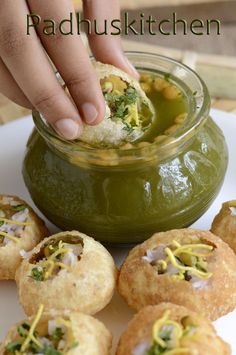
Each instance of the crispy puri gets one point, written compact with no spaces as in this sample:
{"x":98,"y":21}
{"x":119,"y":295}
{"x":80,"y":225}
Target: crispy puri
{"x":154,"y":328}
{"x":19,"y":236}
{"x":224,"y":224}
{"x":129,"y":112}
{"x":59,"y":333}
{"x":141,"y":284}
{"x":84,"y":282}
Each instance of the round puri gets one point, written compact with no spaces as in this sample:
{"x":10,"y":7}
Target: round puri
{"x":91,"y":335}
{"x":224,"y":224}
{"x":140,"y":328}
{"x":88,"y":288}
{"x":31,"y":235}
{"x":111,"y":131}
{"x":140,"y":284}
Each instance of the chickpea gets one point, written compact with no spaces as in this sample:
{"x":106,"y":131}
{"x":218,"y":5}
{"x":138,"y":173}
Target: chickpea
{"x":127,"y":146}
{"x":143,"y":144}
{"x":146,"y":78}
{"x":172,"y":129}
{"x":181,"y":118}
{"x":171,"y":92}
{"x":160,"y":84}
{"x":160,"y":138}
{"x":146,"y":87}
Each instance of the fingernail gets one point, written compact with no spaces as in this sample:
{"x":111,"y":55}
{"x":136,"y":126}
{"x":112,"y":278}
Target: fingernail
{"x":132,"y":68}
{"x":68,"y":128}
{"x":89,"y":112}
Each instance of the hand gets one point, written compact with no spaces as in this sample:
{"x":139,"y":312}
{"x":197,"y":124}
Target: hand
{"x":27,"y":77}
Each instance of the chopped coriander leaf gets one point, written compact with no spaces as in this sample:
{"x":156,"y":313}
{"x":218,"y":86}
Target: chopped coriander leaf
{"x":13,"y":347}
{"x":131,"y":96}
{"x":22,"y":329}
{"x":57,"y":334}
{"x":128,"y":128}
{"x":156,"y":349}
{"x":1,"y":223}
{"x":119,"y":103}
{"x":37,"y":274}
{"x":49,"y":350}
{"x":167,"y":76}
{"x":19,"y":208}
{"x":166,"y":332}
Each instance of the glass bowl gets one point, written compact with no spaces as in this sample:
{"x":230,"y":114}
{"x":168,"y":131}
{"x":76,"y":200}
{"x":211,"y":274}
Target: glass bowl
{"x":123,"y":196}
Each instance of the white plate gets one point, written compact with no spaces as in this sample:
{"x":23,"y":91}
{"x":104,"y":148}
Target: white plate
{"x":13,"y":137}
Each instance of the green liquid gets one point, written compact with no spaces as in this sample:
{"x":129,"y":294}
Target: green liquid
{"x":127,"y":204}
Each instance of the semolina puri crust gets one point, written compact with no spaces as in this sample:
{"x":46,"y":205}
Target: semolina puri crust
{"x":224,"y":226}
{"x":91,"y":335}
{"x":111,"y":131}
{"x":31,"y":235}
{"x":88,"y":288}
{"x":104,"y":70}
{"x":140,"y":329}
{"x":140,"y":285}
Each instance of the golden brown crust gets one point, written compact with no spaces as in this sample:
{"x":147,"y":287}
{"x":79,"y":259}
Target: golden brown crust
{"x":88,"y":288}
{"x":10,"y":257}
{"x":140,"y":285}
{"x":92,"y":335}
{"x":224,"y":225}
{"x":139,"y":330}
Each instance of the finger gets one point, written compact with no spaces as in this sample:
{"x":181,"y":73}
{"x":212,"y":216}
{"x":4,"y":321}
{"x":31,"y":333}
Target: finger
{"x":72,"y":60}
{"x":106,"y":48}
{"x":28,"y":64}
{"x":9,"y":87}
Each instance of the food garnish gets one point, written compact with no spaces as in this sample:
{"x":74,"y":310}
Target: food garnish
{"x":55,"y":257}
{"x":167,"y":335}
{"x":13,"y":220}
{"x":129,"y":112}
{"x":182,"y":262}
{"x":57,"y":339}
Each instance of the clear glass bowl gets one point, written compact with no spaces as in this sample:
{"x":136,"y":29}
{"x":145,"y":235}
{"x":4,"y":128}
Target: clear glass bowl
{"x":125,"y":195}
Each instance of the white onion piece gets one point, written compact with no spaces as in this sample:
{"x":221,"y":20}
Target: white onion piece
{"x":233,"y":211}
{"x":15,"y":229}
{"x":45,"y":341}
{"x":142,"y":348}
{"x":25,"y":254}
{"x":21,"y":216}
{"x":171,"y":269}
{"x":155,"y":254}
{"x":51,"y":326}
{"x":61,"y":344}
{"x":69,"y":259}
{"x":77,"y":249}
{"x":198,"y":283}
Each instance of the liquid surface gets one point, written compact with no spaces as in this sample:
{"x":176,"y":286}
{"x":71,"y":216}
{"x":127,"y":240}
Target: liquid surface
{"x":128,"y":203}
{"x":166,"y":109}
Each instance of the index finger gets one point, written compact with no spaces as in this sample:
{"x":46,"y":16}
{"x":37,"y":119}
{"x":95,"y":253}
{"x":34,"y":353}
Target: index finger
{"x":106,"y":48}
{"x":26,"y":60}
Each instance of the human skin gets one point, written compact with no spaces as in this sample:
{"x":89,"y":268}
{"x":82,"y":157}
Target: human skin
{"x":27,"y":77}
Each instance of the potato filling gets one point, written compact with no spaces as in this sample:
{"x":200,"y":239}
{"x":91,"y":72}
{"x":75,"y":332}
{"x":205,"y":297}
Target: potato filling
{"x":55,"y":338}
{"x":167,"y":335}
{"x":183,"y":262}
{"x":56,"y":257}
{"x":13,"y":220}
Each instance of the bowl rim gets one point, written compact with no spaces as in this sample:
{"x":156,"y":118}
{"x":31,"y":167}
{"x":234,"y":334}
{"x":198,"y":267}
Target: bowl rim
{"x":134,"y":152}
